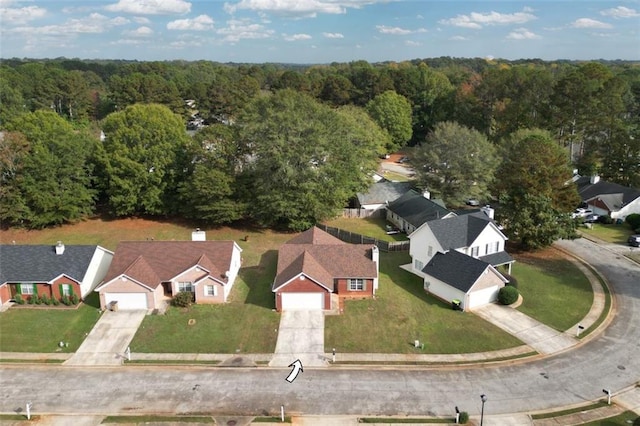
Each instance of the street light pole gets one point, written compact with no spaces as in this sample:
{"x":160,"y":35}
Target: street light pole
{"x":483,"y":397}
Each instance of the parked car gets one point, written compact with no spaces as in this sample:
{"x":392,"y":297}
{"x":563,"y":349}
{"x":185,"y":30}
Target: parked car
{"x":634,"y":240}
{"x":581,"y":212}
{"x":403,"y":160}
{"x":472,"y":202}
{"x":592,"y":218}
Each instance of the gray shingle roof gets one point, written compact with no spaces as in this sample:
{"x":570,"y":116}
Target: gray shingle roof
{"x":497,"y":259}
{"x":459,"y":231}
{"x":588,"y":191}
{"x":40,"y":263}
{"x":383,"y":191}
{"x":456,"y":269}
{"x":416,"y":209}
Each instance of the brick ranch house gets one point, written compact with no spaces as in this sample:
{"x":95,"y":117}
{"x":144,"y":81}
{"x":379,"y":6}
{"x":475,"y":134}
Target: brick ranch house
{"x":315,"y":268}
{"x":54,"y":271}
{"x":143,"y":274}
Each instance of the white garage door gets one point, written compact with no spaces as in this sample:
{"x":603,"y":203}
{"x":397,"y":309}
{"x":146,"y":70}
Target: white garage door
{"x":482,"y":297}
{"x":292,"y":301}
{"x":127,"y":301}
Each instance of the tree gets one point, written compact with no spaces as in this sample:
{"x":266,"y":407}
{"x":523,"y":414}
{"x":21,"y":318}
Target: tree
{"x":144,"y":150}
{"x":49,"y":176}
{"x":455,"y":162}
{"x":303,"y":159}
{"x":209,"y":192}
{"x":535,"y":189}
{"x":392,"y":112}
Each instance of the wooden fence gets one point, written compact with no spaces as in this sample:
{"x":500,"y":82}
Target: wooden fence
{"x":361,"y":213}
{"x":353,"y":238}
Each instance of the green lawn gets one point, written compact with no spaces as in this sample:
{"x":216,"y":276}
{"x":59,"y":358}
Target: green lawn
{"x":395,"y":177}
{"x":625,"y":419}
{"x":402,"y":313}
{"x":370,"y":227}
{"x":610,"y":233}
{"x":554,"y":290}
{"x":41,"y":329}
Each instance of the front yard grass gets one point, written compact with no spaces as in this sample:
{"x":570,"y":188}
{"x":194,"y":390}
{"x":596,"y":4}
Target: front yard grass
{"x":611,"y":233}
{"x":41,"y":329}
{"x":554,"y":290}
{"x":370,"y":227}
{"x":402,"y":313}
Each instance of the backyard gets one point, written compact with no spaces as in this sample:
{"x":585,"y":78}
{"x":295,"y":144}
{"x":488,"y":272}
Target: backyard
{"x":373,"y":227}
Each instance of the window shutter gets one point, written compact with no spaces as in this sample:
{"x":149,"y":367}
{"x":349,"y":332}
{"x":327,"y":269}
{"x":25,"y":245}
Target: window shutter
{"x":364,"y":284}
{"x":61,"y":289}
{"x":18,"y":288}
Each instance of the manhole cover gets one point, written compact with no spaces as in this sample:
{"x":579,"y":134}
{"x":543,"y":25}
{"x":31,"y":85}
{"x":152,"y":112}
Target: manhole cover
{"x":232,"y":423}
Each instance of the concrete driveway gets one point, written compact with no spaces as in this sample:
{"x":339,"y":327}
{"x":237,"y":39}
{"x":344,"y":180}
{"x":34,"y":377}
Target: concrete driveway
{"x":544,"y":339}
{"x":300,"y":336}
{"x":108,"y":340}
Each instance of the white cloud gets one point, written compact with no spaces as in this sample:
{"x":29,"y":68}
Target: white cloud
{"x":412,"y":43}
{"x":140,"y":32}
{"x":237,"y":30}
{"x":141,"y":20}
{"x":458,"y":38}
{"x":333,"y":35}
{"x":383,"y":29}
{"x":620,"y":12}
{"x":151,"y":7}
{"x":200,"y":23}
{"x":589,"y":23}
{"x":20,"y":16}
{"x":522,"y":34}
{"x":477,"y":20}
{"x":298,"y":8}
{"x":296,"y":37}
{"x":92,"y":24}
{"x":527,"y":9}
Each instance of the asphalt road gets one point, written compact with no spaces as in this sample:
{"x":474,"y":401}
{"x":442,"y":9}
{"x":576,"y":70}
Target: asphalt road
{"x":611,"y":361}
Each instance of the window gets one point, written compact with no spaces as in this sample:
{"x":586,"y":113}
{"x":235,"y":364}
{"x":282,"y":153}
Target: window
{"x":27,"y":288}
{"x":427,"y":284}
{"x":474,"y":251}
{"x":66,"y":289}
{"x":356,"y":284}
{"x":210,"y":290}
{"x":493,"y":247}
{"x":418,"y":265}
{"x":430,"y":251}
{"x":185,"y":286}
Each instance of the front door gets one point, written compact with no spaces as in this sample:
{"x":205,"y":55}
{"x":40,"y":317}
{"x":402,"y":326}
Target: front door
{"x":167,"y":289}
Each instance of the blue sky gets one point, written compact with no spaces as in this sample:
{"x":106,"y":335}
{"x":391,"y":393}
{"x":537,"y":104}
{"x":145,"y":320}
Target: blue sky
{"x":319,"y":31}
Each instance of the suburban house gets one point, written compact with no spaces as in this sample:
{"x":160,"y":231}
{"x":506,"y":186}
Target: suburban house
{"x":413,"y":209}
{"x":52,"y":270}
{"x":607,"y":198}
{"x":316,"y":269}
{"x":455,"y":276}
{"x":144,"y":274}
{"x":479,"y":241}
{"x":381,"y":193}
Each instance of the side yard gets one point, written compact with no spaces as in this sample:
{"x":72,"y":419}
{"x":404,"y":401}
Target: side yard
{"x":554,"y":290}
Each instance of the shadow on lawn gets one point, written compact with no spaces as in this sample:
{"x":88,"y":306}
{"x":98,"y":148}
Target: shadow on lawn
{"x":259,"y":279}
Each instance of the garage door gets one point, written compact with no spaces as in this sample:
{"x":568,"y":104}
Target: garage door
{"x":127,"y":301}
{"x":482,"y":297}
{"x":292,"y":301}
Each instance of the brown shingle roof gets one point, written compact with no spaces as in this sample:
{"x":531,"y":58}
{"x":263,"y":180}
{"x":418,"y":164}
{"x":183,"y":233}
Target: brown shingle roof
{"x":154,"y":262}
{"x":324,"y":261}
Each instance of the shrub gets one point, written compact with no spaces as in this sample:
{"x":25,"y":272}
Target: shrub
{"x":32,"y":299}
{"x":464,"y":418}
{"x":633,"y":220}
{"x":74,"y":299}
{"x":606,"y":220}
{"x":65,"y":300}
{"x":37,"y":300}
{"x":183,"y":299}
{"x":508,"y":295}
{"x":44,"y":299}
{"x":19,"y":300}
{"x":54,"y":301}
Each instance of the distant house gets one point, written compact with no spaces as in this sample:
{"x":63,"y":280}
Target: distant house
{"x":454,"y":252}
{"x":455,"y":276}
{"x":413,"y":209}
{"x":52,"y":270}
{"x":315,"y":267}
{"x":607,"y":198}
{"x":144,"y":273}
{"x":381,"y":193}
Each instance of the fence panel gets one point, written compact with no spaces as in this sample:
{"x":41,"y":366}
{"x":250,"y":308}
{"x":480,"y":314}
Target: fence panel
{"x":353,"y":238}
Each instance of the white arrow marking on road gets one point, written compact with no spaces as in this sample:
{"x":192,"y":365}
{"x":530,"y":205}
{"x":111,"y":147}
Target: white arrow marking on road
{"x":297,"y":368}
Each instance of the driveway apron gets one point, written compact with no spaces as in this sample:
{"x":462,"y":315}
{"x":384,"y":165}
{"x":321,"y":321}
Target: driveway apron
{"x":300,"y":336}
{"x":544,"y":339}
{"x":108,"y":340}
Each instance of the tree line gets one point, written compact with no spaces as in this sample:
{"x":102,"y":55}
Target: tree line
{"x":288,"y":145}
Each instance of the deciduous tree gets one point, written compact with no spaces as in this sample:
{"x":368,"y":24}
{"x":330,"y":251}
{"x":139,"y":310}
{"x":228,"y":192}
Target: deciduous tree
{"x":392,"y":112}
